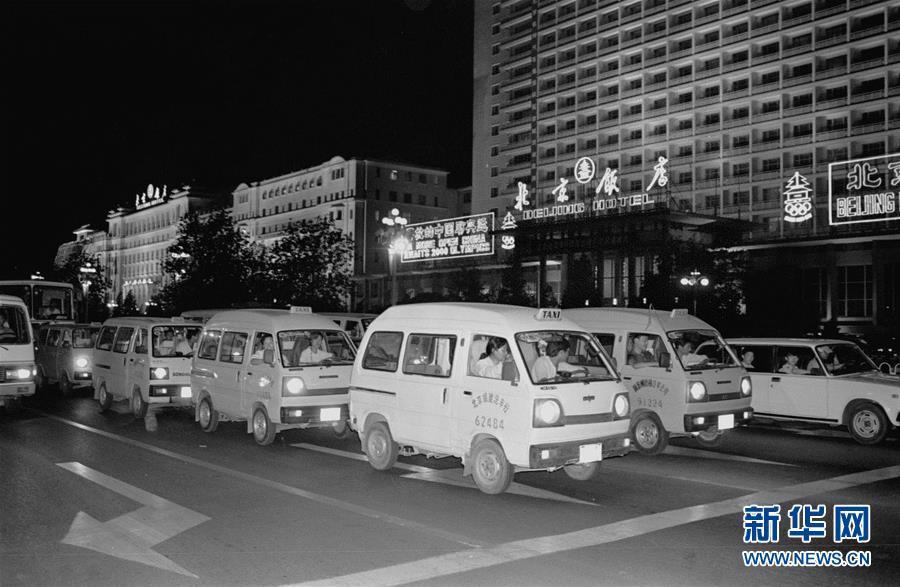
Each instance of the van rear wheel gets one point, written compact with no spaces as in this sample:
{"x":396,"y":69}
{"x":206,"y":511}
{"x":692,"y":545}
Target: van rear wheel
{"x":490,"y":469}
{"x":710,"y":438}
{"x":207,"y":415}
{"x":104,"y":398}
{"x":648,"y":434}
{"x":583,"y":471}
{"x":381,"y":449}
{"x":263,"y":429}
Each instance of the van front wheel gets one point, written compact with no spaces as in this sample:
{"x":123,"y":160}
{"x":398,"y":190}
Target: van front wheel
{"x":207,"y":416}
{"x":104,"y":398}
{"x":490,"y":469}
{"x":380,"y":447}
{"x":263,"y":430}
{"x":649,"y":435}
{"x":138,"y":405}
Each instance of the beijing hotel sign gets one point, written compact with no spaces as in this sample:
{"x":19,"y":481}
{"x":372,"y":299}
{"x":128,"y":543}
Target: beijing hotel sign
{"x":864,"y":190}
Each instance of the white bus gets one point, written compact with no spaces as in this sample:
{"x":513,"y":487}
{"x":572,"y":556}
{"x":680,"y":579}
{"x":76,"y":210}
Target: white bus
{"x":46,"y":300}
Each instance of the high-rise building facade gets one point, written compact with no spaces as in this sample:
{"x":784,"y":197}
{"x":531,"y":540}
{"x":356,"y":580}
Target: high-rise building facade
{"x":743,"y":99}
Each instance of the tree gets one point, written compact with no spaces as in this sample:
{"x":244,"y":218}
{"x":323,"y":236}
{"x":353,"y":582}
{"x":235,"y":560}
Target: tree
{"x":466,"y":285}
{"x":128,"y":306}
{"x":310,"y":266}
{"x":580,"y":285}
{"x":512,"y":284}
{"x":71,"y":272}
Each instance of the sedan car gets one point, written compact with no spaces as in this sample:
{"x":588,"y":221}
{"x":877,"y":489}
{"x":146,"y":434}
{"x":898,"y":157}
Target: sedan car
{"x":825,"y":381}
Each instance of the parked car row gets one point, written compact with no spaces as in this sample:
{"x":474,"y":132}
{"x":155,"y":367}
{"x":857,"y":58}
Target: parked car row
{"x":503,"y":388}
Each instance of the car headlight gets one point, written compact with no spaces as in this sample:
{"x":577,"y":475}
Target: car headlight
{"x":292,"y":386}
{"x":746,"y":386}
{"x":20,"y":372}
{"x":621,"y":405}
{"x":159,"y":373}
{"x":23,"y":373}
{"x":81,"y":362}
{"x":547,"y":412}
{"x":697,"y":391}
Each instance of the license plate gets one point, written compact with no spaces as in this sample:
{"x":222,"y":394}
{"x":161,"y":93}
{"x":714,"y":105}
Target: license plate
{"x":330,"y":414}
{"x":589,"y":453}
{"x":726,"y":421}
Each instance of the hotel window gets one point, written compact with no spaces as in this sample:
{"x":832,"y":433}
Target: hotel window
{"x":407,"y":198}
{"x":771,"y":164}
{"x":711,"y":174}
{"x":635,"y":160}
{"x":803,"y":160}
{"x":685,"y":150}
{"x":634,"y":109}
{"x":741,"y":197}
{"x":392,"y":196}
{"x":712,"y":118}
{"x":855,"y":290}
{"x":740,"y":170}
{"x":770,"y":135}
{"x":772,"y":106}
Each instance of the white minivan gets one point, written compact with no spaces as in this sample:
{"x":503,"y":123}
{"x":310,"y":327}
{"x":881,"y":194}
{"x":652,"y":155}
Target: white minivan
{"x":145,"y":360}
{"x":477,"y":381}
{"x":682,"y":377}
{"x":65,"y":355}
{"x":276,"y":369}
{"x":17,"y":367}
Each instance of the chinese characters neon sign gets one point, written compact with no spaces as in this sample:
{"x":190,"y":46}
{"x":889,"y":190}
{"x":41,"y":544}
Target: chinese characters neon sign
{"x":864,"y":190}
{"x":453,"y":238}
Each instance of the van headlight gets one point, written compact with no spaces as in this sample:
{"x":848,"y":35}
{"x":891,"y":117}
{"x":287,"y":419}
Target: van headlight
{"x":746,"y":386}
{"x":621,"y":406}
{"x":20,"y":372}
{"x":547,"y":412}
{"x":81,"y":362}
{"x":159,"y":373}
{"x":696,"y":391}
{"x":292,"y":386}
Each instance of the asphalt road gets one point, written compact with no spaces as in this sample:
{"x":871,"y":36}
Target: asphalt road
{"x":97,"y":499}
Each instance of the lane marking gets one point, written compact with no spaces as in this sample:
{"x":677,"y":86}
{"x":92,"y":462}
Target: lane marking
{"x":131,"y":536}
{"x":708,"y":454}
{"x":469,"y":560}
{"x":275,"y":485}
{"x":452,"y":476}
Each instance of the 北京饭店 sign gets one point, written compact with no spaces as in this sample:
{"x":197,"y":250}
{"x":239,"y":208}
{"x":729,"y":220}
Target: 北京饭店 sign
{"x":451,"y":238}
{"x":864,"y":190}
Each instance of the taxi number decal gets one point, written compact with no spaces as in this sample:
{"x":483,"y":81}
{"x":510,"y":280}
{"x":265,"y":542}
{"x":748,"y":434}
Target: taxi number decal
{"x":488,"y":422}
{"x":649,"y":402}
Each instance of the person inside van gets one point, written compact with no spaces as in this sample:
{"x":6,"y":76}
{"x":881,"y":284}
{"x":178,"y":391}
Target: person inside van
{"x":4,"y":324}
{"x":789,"y":365}
{"x":316,"y":352}
{"x":747,"y":358}
{"x":639,"y":354}
{"x":186,"y":346}
{"x":685,"y":351}
{"x":555,"y":362}
{"x":490,"y":364}
{"x":268,"y":344}
{"x":165,"y":343}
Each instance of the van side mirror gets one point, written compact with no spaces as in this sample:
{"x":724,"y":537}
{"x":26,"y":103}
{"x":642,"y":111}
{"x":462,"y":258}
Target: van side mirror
{"x":665,"y":360}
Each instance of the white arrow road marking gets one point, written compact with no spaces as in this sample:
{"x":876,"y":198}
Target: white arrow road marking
{"x":447,"y":476}
{"x":131,"y":535}
{"x":708,"y":454}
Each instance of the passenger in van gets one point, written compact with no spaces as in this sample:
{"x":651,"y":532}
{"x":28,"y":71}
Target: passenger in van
{"x":4,"y":325}
{"x":638,"y":354}
{"x":790,"y":365}
{"x":316,"y":352}
{"x":747,"y":357}
{"x":268,"y":344}
{"x":165,"y":345}
{"x":490,"y":364}
{"x":186,"y":346}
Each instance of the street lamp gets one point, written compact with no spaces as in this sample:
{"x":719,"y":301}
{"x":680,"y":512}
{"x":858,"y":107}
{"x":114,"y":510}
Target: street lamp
{"x":695,"y":280}
{"x":86,"y":273}
{"x":398,"y":243}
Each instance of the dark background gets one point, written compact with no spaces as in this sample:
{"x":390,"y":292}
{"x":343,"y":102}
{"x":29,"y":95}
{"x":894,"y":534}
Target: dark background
{"x":106,"y":97}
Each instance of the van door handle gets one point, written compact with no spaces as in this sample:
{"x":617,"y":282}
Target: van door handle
{"x":444,"y":398}
{"x":626,"y":378}
{"x":467,"y":393}
{"x":776,"y":379}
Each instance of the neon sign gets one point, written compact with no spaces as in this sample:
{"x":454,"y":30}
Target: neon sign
{"x":797,"y":199}
{"x":453,"y":238}
{"x":151,"y":197}
{"x":864,"y":190}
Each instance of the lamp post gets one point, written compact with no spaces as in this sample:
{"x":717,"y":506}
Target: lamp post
{"x":694,"y":280}
{"x":86,"y":273}
{"x":397,"y":244}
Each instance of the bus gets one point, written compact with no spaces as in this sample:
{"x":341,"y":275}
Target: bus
{"x":46,"y":300}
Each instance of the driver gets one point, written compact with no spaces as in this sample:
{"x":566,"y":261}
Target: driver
{"x":549,"y":365}
{"x":316,"y":352}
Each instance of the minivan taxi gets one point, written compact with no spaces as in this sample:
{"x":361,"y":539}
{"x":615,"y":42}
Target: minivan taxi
{"x":64,"y":355}
{"x":354,"y":323}
{"x":146,"y":360}
{"x":17,"y":367}
{"x":824,"y":381}
{"x":681,"y":376}
{"x":276,"y":369}
{"x":476,"y":381}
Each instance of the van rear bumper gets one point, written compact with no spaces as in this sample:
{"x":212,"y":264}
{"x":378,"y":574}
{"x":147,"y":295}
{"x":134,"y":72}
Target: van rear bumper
{"x":567,"y":453}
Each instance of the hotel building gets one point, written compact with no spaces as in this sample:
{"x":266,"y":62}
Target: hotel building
{"x":738,"y":96}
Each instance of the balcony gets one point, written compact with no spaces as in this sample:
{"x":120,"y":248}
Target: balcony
{"x":704,"y":19}
{"x":797,"y":140}
{"x":795,"y":20}
{"x":764,"y":116}
{"x":681,"y":106}
{"x":736,"y":179}
{"x":735,"y":65}
{"x":762,"y":88}
{"x":512,"y":147}
{"x":797,"y":49}
{"x":760,"y":59}
{"x":707,"y":46}
{"x":654,"y":60}
{"x":862,"y":129}
{"x":734,"y":8}
{"x":608,"y":123}
{"x":830,"y":40}
{"x":796,"y":80}
{"x":736,"y":151}
{"x":831,"y":103}
{"x":681,"y":79}
{"x":705,"y":73}
{"x":769,"y":28}
{"x":865,"y":32}
{"x":766,"y":145}
{"x":631,"y":67}
{"x":707,"y":155}
{"x":735,"y":122}
{"x":831,"y":71}
{"x":632,"y":117}
{"x":608,"y":147}
{"x":755,"y":4}
{"x":650,"y":35}
{"x":734,"y":38}
{"x":632,"y":142}
{"x":832,"y":8}
{"x":707,"y":183}
{"x":709,"y":127}
{"x":654,"y":86}
{"x":681,"y":132}
{"x":675,"y":28}
{"x":797,"y":110}
{"x":765,"y":175}
{"x":868,"y":63}
{"x":733,"y":94}
{"x":865,"y":96}
{"x":705,"y":100}
{"x":827,"y":135}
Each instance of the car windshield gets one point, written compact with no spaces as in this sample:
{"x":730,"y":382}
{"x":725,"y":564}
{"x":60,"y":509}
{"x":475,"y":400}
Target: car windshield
{"x":175,"y":341}
{"x":701,"y":349}
{"x":844,"y":359}
{"x":300,"y":348}
{"x":555,"y":356}
{"x":84,"y":338}
{"x":13,"y":325}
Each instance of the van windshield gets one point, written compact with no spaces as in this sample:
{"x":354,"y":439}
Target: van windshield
{"x":701,"y":349}
{"x":175,"y":341}
{"x":84,"y":338}
{"x":555,"y":356}
{"x":13,"y":325}
{"x":300,"y":348}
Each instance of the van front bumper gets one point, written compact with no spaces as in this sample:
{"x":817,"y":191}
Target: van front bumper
{"x":558,"y":454}
{"x":175,"y":394}
{"x":313,"y":415}
{"x":11,"y":390}
{"x":708,"y":420}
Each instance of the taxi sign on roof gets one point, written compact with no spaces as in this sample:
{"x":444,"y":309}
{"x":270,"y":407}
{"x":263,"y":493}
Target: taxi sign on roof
{"x":678,"y":312}
{"x":301,"y":310}
{"x":548,"y":314}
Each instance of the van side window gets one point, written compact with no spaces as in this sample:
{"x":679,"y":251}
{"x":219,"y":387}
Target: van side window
{"x":105,"y":340}
{"x":67,"y":337}
{"x":209,"y":344}
{"x":383,"y":351}
{"x":123,"y":338}
{"x":483,"y":360}
{"x":642,"y":349}
{"x":429,"y":354}
{"x":607,"y":341}
{"x":140,"y":342}
{"x":53,"y":337}
{"x":233,"y":345}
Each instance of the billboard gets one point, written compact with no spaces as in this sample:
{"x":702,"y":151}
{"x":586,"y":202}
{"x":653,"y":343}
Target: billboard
{"x":864,"y":190}
{"x":451,"y":238}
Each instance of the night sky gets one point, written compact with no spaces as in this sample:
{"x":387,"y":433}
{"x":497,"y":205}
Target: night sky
{"x":106,"y":97}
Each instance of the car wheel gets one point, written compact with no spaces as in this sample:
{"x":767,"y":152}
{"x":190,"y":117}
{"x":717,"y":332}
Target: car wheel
{"x":709,"y":438}
{"x":104,"y":398}
{"x":138,"y":405}
{"x":648,"y":434}
{"x":65,"y":386}
{"x":207,"y":415}
{"x":381,"y":449}
{"x":490,"y":469}
{"x":583,"y":471}
{"x":263,"y":430}
{"x":867,"y":424}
